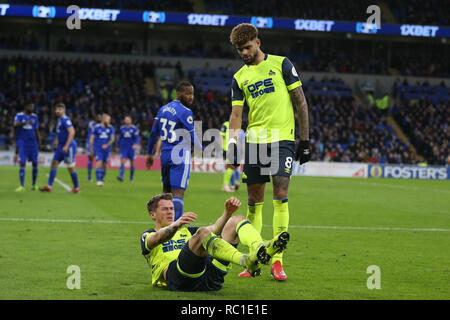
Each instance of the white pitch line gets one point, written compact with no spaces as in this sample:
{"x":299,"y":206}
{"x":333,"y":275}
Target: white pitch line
{"x":202,"y":224}
{"x":62,"y":184}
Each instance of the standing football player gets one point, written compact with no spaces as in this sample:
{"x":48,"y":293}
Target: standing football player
{"x":27,"y":143}
{"x":172,"y":120}
{"x":128,"y":142}
{"x":65,"y":151}
{"x":100,"y":143}
{"x":267,"y":83}
{"x":91,"y":126}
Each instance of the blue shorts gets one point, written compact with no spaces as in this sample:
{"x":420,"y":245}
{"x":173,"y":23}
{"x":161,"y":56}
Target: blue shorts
{"x":174,"y":175}
{"x":127,"y":153}
{"x":102,"y":154}
{"x":28,"y":153}
{"x":68,"y":157}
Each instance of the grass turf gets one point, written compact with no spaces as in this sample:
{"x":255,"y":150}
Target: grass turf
{"x":324,"y":260}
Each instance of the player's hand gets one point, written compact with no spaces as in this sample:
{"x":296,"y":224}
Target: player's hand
{"x":231,"y":205}
{"x":134,"y":147}
{"x":232,"y":153}
{"x":303,"y":153}
{"x":149,"y":161}
{"x":16,"y":158}
{"x":65,"y":149}
{"x":186,"y":218}
{"x":105,"y":146}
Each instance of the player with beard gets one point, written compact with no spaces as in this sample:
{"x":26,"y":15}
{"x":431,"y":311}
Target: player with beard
{"x":268,"y":84}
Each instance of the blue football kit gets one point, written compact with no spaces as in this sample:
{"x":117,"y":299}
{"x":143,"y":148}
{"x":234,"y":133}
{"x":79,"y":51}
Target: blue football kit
{"x":174,"y":123}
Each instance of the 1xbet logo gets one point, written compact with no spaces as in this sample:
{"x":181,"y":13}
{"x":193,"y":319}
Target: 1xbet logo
{"x":261,"y":87}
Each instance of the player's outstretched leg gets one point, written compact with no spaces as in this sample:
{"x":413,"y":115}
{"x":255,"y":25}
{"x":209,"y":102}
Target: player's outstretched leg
{"x":221,"y":249}
{"x":277,"y":244}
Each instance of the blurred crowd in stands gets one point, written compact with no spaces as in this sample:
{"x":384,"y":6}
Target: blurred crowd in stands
{"x":361,"y":60}
{"x":341,"y":130}
{"x":431,"y":12}
{"x":422,"y":112}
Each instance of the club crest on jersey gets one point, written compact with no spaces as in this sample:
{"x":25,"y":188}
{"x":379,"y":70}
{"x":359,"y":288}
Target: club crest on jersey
{"x":261,"y":87}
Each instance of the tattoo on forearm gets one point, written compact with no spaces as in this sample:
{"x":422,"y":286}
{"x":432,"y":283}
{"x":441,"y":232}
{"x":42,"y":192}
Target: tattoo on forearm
{"x":302,"y":112}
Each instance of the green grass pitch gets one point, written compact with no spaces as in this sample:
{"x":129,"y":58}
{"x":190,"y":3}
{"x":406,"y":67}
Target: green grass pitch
{"x":338,"y":228}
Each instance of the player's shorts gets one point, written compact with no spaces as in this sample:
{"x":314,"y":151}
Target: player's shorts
{"x":204,"y":273}
{"x":68,"y":157}
{"x":265,"y":160}
{"x":102,"y":154}
{"x":175,"y":175}
{"x":128,"y":153}
{"x":28,"y":153}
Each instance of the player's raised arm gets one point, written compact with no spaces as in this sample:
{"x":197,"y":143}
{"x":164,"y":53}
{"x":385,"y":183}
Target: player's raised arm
{"x":231,"y":205}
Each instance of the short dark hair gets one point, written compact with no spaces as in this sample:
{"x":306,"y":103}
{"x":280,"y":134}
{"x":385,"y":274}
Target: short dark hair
{"x":152,"y":204}
{"x":243,"y":33}
{"x":60,"y":105}
{"x":182,"y":84}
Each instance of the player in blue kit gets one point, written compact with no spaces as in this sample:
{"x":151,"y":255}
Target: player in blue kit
{"x":27,"y":143}
{"x":65,"y":151}
{"x":175,"y":121}
{"x":100,"y":142}
{"x":128,"y":141}
{"x":91,"y":126}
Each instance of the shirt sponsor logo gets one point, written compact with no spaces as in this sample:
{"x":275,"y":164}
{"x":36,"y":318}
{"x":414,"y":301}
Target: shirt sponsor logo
{"x":260,"y":88}
{"x":173,"y":245}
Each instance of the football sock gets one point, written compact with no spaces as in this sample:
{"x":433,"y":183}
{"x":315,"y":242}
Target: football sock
{"x":22,"y":176}
{"x":232,"y":182}
{"x":122,"y":171}
{"x":74,"y":176}
{"x":248,"y":235}
{"x":52,"y":176}
{"x":237,"y":176}
{"x":89,"y":167}
{"x":98,"y":174}
{"x":227,"y":176}
{"x":280,"y":221}
{"x":220,"y":249}
{"x":178,"y":204}
{"x":254,"y":215}
{"x":34,"y":175}
{"x":131,"y":173}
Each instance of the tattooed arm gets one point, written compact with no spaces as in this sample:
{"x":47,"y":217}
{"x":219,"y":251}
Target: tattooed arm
{"x":166,"y":233}
{"x":299,"y":99}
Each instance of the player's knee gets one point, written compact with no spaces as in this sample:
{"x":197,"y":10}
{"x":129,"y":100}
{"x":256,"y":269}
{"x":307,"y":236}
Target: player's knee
{"x":202,"y":233}
{"x":280,"y":194}
{"x":235,"y":220}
